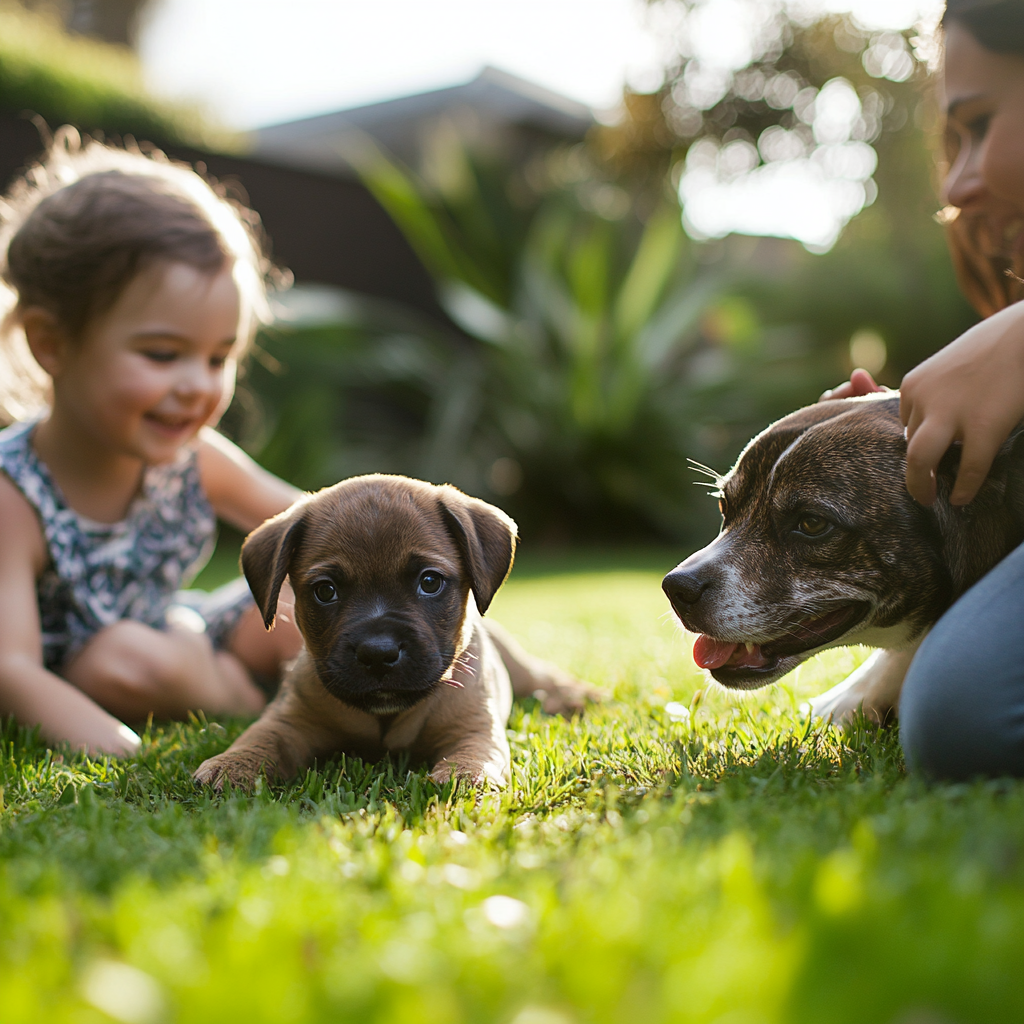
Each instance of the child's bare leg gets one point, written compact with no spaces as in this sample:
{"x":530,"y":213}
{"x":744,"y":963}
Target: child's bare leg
{"x":133,"y":671}
{"x":558,"y":692}
{"x":262,"y":651}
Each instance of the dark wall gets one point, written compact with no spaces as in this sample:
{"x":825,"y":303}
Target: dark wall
{"x":326,"y":230}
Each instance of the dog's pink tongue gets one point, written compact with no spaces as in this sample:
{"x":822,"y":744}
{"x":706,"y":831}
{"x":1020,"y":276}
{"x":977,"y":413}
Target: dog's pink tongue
{"x":712,"y":654}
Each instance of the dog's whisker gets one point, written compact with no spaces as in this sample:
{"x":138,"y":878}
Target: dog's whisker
{"x":699,"y":467}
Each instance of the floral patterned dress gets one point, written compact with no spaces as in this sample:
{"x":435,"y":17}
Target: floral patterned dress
{"x":101,"y":573}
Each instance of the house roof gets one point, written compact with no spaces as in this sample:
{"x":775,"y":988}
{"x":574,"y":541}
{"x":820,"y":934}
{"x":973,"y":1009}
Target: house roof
{"x":495,"y":102}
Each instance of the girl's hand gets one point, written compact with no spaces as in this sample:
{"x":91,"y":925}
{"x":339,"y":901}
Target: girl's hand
{"x":971,"y":391}
{"x":860,"y":383}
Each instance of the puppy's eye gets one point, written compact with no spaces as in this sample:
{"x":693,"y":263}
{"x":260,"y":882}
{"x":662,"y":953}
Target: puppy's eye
{"x":325,"y":592}
{"x":813,"y":526}
{"x":430,"y":583}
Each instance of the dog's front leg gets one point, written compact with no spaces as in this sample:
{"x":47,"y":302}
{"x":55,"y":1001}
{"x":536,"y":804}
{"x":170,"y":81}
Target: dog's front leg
{"x":464,"y":736}
{"x":874,"y":688}
{"x":478,"y":763}
{"x":558,"y":692}
{"x":468,"y":739}
{"x":288,"y":737}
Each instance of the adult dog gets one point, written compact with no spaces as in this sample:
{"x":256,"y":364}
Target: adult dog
{"x":822,"y":546}
{"x":390,"y":576}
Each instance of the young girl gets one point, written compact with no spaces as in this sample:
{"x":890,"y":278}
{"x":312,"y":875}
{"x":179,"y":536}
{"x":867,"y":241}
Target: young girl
{"x":962,"y":706}
{"x":135,"y":288}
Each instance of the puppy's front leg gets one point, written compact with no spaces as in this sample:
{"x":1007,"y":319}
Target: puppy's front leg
{"x":467,"y":739}
{"x":289,"y":736}
{"x":874,"y":687}
{"x":478,"y":763}
{"x":465,"y":734}
{"x":558,"y":692}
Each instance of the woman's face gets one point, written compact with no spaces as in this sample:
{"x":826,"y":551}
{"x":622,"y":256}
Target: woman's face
{"x":984,"y":95}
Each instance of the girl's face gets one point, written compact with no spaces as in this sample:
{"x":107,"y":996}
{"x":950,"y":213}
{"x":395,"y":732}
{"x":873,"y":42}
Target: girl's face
{"x":154,"y":368}
{"x":985,"y":139}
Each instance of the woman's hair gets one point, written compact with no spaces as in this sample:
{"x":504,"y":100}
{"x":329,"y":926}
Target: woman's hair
{"x":985,"y":272}
{"x":997,"y":24}
{"x":78,"y":227}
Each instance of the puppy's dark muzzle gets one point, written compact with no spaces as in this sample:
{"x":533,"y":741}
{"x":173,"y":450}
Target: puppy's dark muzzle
{"x":382,"y":667}
{"x":379,"y":654}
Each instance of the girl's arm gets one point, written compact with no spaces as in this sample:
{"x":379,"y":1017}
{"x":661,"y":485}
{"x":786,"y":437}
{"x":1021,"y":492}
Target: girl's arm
{"x":27,"y":690}
{"x":971,"y":391}
{"x":241,"y":492}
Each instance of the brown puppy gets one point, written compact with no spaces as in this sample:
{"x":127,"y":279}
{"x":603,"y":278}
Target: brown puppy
{"x":822,"y":546}
{"x":390,"y":577}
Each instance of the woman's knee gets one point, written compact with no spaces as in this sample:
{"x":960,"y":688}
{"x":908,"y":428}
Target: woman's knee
{"x":961,"y":716}
{"x":962,"y":708}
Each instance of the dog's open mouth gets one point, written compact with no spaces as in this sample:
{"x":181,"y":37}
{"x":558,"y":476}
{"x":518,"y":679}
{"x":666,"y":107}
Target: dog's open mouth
{"x":717,"y":655}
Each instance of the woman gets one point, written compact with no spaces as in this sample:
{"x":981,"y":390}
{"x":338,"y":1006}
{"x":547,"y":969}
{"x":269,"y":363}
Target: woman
{"x":962,"y":708}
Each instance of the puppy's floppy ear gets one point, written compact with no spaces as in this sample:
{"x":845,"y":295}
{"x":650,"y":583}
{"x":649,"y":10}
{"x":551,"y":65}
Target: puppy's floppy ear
{"x":266,"y":555}
{"x":486,"y":539}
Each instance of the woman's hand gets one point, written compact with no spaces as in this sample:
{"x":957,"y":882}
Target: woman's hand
{"x":971,"y":391}
{"x":860,"y":383}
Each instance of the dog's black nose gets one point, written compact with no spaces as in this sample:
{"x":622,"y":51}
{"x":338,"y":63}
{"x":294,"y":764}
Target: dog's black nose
{"x":684,"y":587}
{"x":378,"y":653}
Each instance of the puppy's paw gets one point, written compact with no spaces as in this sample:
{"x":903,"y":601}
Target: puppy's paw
{"x":240,"y":769}
{"x":561,"y":694}
{"x":484,"y":775}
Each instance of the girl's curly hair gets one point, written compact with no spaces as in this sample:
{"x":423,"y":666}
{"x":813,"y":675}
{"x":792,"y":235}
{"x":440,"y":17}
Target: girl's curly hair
{"x":81,"y":223}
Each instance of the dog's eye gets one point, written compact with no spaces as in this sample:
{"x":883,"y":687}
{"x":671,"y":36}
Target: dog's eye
{"x":813,"y":526}
{"x":325,"y":592}
{"x":431,"y":583}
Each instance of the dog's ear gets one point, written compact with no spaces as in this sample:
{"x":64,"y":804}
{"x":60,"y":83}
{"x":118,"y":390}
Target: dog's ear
{"x":486,"y":539}
{"x":266,"y":555}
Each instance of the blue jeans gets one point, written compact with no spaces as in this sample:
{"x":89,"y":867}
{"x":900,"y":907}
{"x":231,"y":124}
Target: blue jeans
{"x":962,"y":706}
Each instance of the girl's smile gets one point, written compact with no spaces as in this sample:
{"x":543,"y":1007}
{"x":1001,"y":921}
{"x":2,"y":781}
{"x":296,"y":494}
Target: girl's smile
{"x":141,"y":382}
{"x":157,"y":366}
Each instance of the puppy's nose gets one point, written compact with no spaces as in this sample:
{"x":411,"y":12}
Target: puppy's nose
{"x":683,"y":587}
{"x":378,"y":653}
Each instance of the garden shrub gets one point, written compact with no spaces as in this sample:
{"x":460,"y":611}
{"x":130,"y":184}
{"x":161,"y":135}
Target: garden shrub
{"x":96,"y":86}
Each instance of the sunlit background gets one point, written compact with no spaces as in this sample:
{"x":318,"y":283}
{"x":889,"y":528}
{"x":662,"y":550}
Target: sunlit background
{"x":548,"y":251}
{"x":254,"y":62}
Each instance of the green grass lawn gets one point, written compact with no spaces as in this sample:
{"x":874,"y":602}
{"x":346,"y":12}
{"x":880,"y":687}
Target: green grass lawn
{"x":738,"y":867}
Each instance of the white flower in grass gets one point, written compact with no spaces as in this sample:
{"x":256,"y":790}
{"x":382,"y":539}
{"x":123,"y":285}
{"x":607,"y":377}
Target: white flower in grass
{"x":460,"y":877}
{"x":676,"y":711}
{"x":505,"y":911}
{"x":123,"y":992}
{"x":540,"y":1015}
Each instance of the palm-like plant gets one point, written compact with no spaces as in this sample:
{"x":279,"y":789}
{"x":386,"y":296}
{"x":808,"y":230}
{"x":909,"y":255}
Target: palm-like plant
{"x":596,"y":357}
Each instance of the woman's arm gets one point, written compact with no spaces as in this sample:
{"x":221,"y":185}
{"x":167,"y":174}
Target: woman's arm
{"x":971,"y":391}
{"x":27,"y":690}
{"x":242,"y":493}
